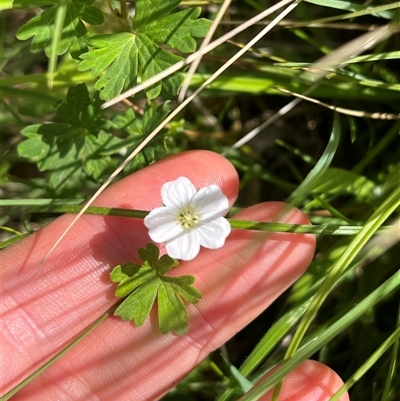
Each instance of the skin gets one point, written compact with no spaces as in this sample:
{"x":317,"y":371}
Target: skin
{"x":44,"y":308}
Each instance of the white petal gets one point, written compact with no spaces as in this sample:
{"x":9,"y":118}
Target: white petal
{"x":213,"y":234}
{"x":178,"y":193}
{"x":162,"y":224}
{"x":185,"y":247}
{"x":210,"y":202}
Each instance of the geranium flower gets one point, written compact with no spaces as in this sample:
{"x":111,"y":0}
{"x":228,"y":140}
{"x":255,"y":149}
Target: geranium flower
{"x":189,"y":218}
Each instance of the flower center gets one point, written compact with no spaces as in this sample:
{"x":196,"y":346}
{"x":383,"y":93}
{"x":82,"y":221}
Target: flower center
{"x":188,"y":217}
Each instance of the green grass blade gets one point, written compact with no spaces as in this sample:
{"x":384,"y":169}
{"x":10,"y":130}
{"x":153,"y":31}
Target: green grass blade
{"x":383,"y":143}
{"x":39,"y":202}
{"x":367,"y":365}
{"x":395,"y":55}
{"x":316,"y":343}
{"x":268,"y":343}
{"x":56,"y":357}
{"x":393,"y":363}
{"x":366,"y":11}
{"x":59,"y":24}
{"x":387,"y":207}
{"x":6,"y":5}
{"x":306,"y":187}
{"x":347,"y":6}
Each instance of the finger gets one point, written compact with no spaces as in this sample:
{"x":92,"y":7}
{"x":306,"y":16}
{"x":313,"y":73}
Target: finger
{"x":237,"y":281}
{"x":44,"y":308}
{"x":310,"y":381}
{"x":224,"y":276}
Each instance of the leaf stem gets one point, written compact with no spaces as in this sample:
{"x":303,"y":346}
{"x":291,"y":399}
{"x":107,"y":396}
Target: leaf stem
{"x":124,"y":12}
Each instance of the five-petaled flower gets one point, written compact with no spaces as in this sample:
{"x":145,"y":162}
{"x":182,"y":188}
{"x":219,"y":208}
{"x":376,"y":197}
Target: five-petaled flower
{"x":189,"y":218}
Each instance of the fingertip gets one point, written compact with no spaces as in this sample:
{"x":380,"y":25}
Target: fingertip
{"x":310,"y":381}
{"x":141,"y":190}
{"x":302,"y":246}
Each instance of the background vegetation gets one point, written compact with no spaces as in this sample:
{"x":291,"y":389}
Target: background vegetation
{"x":340,"y":167}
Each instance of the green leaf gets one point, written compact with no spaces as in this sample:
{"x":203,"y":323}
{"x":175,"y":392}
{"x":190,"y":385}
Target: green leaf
{"x":337,"y":181}
{"x":172,"y":315}
{"x":124,"y":58}
{"x":183,"y":24}
{"x":74,"y":32}
{"x":138,"y":305}
{"x":142,"y":284}
{"x":70,"y":147}
{"x":138,"y":129}
{"x":95,"y":165}
{"x":120,"y":272}
{"x":308,"y":184}
{"x":80,"y":143}
{"x":118,"y":54}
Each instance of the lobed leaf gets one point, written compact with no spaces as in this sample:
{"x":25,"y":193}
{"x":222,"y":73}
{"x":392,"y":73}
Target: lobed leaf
{"x":146,"y":12}
{"x":69,"y":147}
{"x":121,"y":272}
{"x":138,"y":305}
{"x":178,"y":30}
{"x":128,"y":57}
{"x":74,"y":32}
{"x":172,"y":315}
{"x":130,"y":283}
{"x":80,"y":142}
{"x":142,"y":284}
{"x":118,"y":54}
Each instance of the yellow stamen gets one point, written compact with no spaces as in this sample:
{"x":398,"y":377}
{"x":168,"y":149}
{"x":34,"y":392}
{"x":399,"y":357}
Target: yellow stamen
{"x":188,"y":217}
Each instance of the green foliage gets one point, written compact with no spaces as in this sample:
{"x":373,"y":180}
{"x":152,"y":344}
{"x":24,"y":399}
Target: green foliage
{"x":128,"y":56}
{"x":336,"y":181}
{"x":73,"y":143}
{"x":142,"y":284}
{"x":79,"y":142}
{"x":69,"y":149}
{"x":74,"y":32}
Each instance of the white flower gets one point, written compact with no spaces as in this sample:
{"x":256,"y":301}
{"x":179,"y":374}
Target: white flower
{"x":189,"y":218}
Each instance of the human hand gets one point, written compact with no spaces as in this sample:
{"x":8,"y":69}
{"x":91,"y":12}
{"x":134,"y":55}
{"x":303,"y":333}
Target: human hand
{"x":45,"y":308}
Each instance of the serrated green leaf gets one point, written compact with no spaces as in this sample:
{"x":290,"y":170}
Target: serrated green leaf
{"x":77,"y":144}
{"x":121,"y":272}
{"x":129,"y":123}
{"x":33,"y":148}
{"x":124,"y":58}
{"x":152,"y":116}
{"x":59,"y":142}
{"x":138,"y":305}
{"x":172,"y":315}
{"x":74,"y":32}
{"x":149,"y":254}
{"x":147,"y":13}
{"x":165,"y":264}
{"x":154,"y":60}
{"x":92,"y":15}
{"x":70,"y":147}
{"x":129,"y":284}
{"x":142,"y":284}
{"x":118,"y":53}
{"x":184,"y":25}
{"x":77,"y":100}
{"x":66,"y":177}
{"x":183,"y":286}
{"x":95,"y":164}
